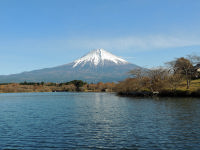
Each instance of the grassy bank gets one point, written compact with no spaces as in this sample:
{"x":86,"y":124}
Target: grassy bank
{"x":180,"y":91}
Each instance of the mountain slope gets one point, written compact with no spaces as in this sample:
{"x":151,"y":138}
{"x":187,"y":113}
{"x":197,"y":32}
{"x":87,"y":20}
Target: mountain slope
{"x":98,"y":65}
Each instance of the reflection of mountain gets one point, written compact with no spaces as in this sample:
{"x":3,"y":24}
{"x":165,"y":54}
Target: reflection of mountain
{"x":98,"y":65}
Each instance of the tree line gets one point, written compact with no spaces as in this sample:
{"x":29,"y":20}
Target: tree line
{"x":71,"y":86}
{"x":174,"y":77}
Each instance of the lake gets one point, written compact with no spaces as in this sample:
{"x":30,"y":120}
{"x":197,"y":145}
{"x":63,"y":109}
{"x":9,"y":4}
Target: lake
{"x":97,"y":121}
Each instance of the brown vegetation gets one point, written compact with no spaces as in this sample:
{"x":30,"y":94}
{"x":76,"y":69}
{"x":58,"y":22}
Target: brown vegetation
{"x":72,"y":86}
{"x":180,"y":78}
{"x":176,"y":80}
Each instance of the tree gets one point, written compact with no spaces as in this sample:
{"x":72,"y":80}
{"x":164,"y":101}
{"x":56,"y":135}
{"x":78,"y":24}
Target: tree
{"x":157,"y":79}
{"x":78,"y":84}
{"x":195,"y":60}
{"x":174,"y":81}
{"x":138,"y":73}
{"x":183,"y":67}
{"x":140,"y":79}
{"x":152,"y":79}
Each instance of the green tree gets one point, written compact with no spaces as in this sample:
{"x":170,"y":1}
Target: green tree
{"x":78,"y":84}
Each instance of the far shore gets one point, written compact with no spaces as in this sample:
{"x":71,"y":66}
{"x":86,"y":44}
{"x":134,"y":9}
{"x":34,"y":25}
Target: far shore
{"x":32,"y":89}
{"x":124,"y":88}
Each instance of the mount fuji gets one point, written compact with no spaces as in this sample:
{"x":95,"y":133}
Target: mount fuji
{"x":98,"y":65}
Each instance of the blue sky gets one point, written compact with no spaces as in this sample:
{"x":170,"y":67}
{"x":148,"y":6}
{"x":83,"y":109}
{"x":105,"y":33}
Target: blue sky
{"x":38,"y":34}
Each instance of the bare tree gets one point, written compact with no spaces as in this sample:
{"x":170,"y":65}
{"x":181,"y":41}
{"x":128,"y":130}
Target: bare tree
{"x":157,"y":79}
{"x":194,"y":59}
{"x":174,"y":81}
{"x":138,"y":73}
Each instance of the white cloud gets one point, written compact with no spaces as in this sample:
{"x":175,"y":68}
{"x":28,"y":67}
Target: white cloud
{"x":134,"y":43}
{"x":130,"y":43}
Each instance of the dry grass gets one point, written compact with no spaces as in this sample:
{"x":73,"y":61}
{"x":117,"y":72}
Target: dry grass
{"x":195,"y":85}
{"x":47,"y":87}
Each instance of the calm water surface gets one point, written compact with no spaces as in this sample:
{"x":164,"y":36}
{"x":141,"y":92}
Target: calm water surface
{"x":97,"y":121}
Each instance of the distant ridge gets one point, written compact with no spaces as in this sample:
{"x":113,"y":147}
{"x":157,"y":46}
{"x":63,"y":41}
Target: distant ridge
{"x":97,"y":65}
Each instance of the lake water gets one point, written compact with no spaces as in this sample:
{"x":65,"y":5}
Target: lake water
{"x":97,"y":121}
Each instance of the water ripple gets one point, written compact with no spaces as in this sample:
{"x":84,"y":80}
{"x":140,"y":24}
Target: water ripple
{"x":97,"y":121}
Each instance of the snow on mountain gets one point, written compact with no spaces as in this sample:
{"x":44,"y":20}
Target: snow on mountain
{"x":96,"y":66}
{"x":98,"y":57}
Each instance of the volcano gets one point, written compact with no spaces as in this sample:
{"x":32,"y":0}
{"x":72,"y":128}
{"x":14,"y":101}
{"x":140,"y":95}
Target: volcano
{"x":96,"y":66}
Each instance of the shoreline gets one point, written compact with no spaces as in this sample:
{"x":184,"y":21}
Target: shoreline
{"x":166,"y":93}
{"x":129,"y":94}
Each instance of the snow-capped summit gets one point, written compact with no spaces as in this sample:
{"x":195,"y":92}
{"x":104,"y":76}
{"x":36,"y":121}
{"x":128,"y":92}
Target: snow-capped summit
{"x":96,"y":66}
{"x":98,"y":57}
